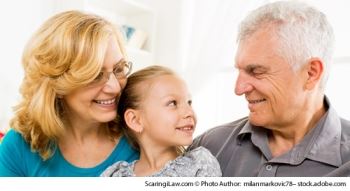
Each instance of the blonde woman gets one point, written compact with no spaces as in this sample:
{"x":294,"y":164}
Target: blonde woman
{"x":75,"y":69}
{"x":155,"y":113}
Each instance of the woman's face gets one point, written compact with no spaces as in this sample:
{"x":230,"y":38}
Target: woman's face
{"x":96,"y":103}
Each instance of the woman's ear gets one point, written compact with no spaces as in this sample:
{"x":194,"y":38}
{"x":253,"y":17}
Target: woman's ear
{"x":315,"y":69}
{"x":132,"y":120}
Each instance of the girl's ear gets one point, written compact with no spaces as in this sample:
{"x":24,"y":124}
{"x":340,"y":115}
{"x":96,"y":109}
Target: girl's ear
{"x":132,"y":120}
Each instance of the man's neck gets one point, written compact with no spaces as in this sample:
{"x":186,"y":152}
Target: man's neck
{"x":282,"y":139}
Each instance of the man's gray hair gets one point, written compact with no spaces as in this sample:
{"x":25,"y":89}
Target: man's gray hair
{"x":302,"y":31}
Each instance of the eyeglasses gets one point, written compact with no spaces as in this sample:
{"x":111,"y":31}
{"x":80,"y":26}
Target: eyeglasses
{"x":121,"y":70}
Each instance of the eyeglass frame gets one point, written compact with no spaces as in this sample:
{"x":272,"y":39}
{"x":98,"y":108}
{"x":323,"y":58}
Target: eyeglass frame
{"x":119,"y":75}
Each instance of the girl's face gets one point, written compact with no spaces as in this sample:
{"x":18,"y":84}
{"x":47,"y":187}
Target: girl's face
{"x":96,"y":103}
{"x":166,"y":113}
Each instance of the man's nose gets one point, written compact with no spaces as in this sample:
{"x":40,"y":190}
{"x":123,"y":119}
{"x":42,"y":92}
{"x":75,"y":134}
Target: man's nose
{"x":243,"y":84}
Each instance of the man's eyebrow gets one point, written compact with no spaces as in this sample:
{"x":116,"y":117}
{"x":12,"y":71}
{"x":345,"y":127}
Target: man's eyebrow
{"x":255,"y":66}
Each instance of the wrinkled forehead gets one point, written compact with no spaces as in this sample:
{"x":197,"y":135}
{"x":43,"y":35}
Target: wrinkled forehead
{"x":257,"y":48}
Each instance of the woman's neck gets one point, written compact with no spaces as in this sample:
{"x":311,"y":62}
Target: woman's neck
{"x":86,"y":147}
{"x":80,"y":131}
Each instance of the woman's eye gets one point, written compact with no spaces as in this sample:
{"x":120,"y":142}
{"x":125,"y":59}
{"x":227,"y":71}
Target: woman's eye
{"x":99,"y":77}
{"x":118,"y":70}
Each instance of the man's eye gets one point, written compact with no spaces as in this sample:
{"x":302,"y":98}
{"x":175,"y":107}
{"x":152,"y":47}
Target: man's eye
{"x":256,"y":72}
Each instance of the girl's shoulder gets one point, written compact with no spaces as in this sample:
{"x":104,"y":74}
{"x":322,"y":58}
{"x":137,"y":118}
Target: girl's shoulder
{"x":199,"y":154}
{"x":119,"y":169}
{"x":204,"y":161}
{"x":197,"y":162}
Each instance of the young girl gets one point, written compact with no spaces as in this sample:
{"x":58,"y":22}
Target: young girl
{"x":155,"y":113}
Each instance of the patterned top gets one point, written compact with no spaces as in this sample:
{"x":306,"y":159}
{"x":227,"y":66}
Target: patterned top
{"x":198,"y":162}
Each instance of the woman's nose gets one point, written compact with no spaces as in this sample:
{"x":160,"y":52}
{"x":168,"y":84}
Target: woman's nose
{"x":113,"y":85}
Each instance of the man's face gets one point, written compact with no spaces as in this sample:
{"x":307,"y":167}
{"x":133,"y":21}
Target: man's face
{"x":274,"y":91}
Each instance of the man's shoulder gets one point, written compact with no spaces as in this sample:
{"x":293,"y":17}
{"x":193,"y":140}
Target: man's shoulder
{"x":345,"y":130}
{"x":227,"y":127}
{"x":215,"y":138}
{"x":345,"y":123}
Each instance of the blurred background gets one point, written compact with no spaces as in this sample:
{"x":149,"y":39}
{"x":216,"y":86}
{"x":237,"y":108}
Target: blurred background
{"x":196,"y":38}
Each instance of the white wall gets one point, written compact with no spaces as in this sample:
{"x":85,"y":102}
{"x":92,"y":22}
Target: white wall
{"x":194,"y":37}
{"x":18,"y":21}
{"x":170,"y":32}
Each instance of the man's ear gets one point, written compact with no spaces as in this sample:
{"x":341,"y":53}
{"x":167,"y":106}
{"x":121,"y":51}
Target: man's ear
{"x":315,"y":69}
{"x":132,"y":120}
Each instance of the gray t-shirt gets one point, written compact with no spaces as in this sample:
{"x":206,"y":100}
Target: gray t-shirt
{"x":198,"y":162}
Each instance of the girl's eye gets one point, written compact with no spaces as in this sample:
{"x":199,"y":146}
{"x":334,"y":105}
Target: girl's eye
{"x":189,"y":102}
{"x":172,"y":103}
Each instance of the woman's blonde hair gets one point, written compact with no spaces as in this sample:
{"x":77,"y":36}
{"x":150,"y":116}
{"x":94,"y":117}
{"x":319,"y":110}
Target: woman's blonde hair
{"x":131,"y":98}
{"x":66,"y":53}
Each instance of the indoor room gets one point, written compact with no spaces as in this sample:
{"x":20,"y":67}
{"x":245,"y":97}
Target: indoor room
{"x":196,"y":38}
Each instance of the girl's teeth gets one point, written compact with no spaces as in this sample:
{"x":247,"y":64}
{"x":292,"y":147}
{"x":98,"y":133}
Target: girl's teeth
{"x":186,"y":129}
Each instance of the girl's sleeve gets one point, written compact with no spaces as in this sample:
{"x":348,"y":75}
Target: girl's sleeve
{"x":208,"y":164}
{"x":118,"y":169}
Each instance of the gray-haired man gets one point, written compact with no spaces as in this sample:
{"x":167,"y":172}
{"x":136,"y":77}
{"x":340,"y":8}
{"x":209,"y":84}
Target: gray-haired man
{"x":283,"y":58}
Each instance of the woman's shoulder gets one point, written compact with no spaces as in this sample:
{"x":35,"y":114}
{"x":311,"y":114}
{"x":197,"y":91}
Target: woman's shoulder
{"x":13,"y":150}
{"x":12,"y":137}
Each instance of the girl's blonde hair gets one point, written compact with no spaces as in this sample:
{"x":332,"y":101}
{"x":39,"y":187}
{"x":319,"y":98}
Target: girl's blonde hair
{"x":131,"y":98}
{"x":66,"y":53}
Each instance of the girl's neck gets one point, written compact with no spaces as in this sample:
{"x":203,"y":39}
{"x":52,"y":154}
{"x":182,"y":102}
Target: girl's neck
{"x":153,"y":160}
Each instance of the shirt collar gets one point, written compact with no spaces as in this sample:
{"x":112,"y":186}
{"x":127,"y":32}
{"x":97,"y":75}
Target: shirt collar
{"x":325,"y":144}
{"x":321,"y":144}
